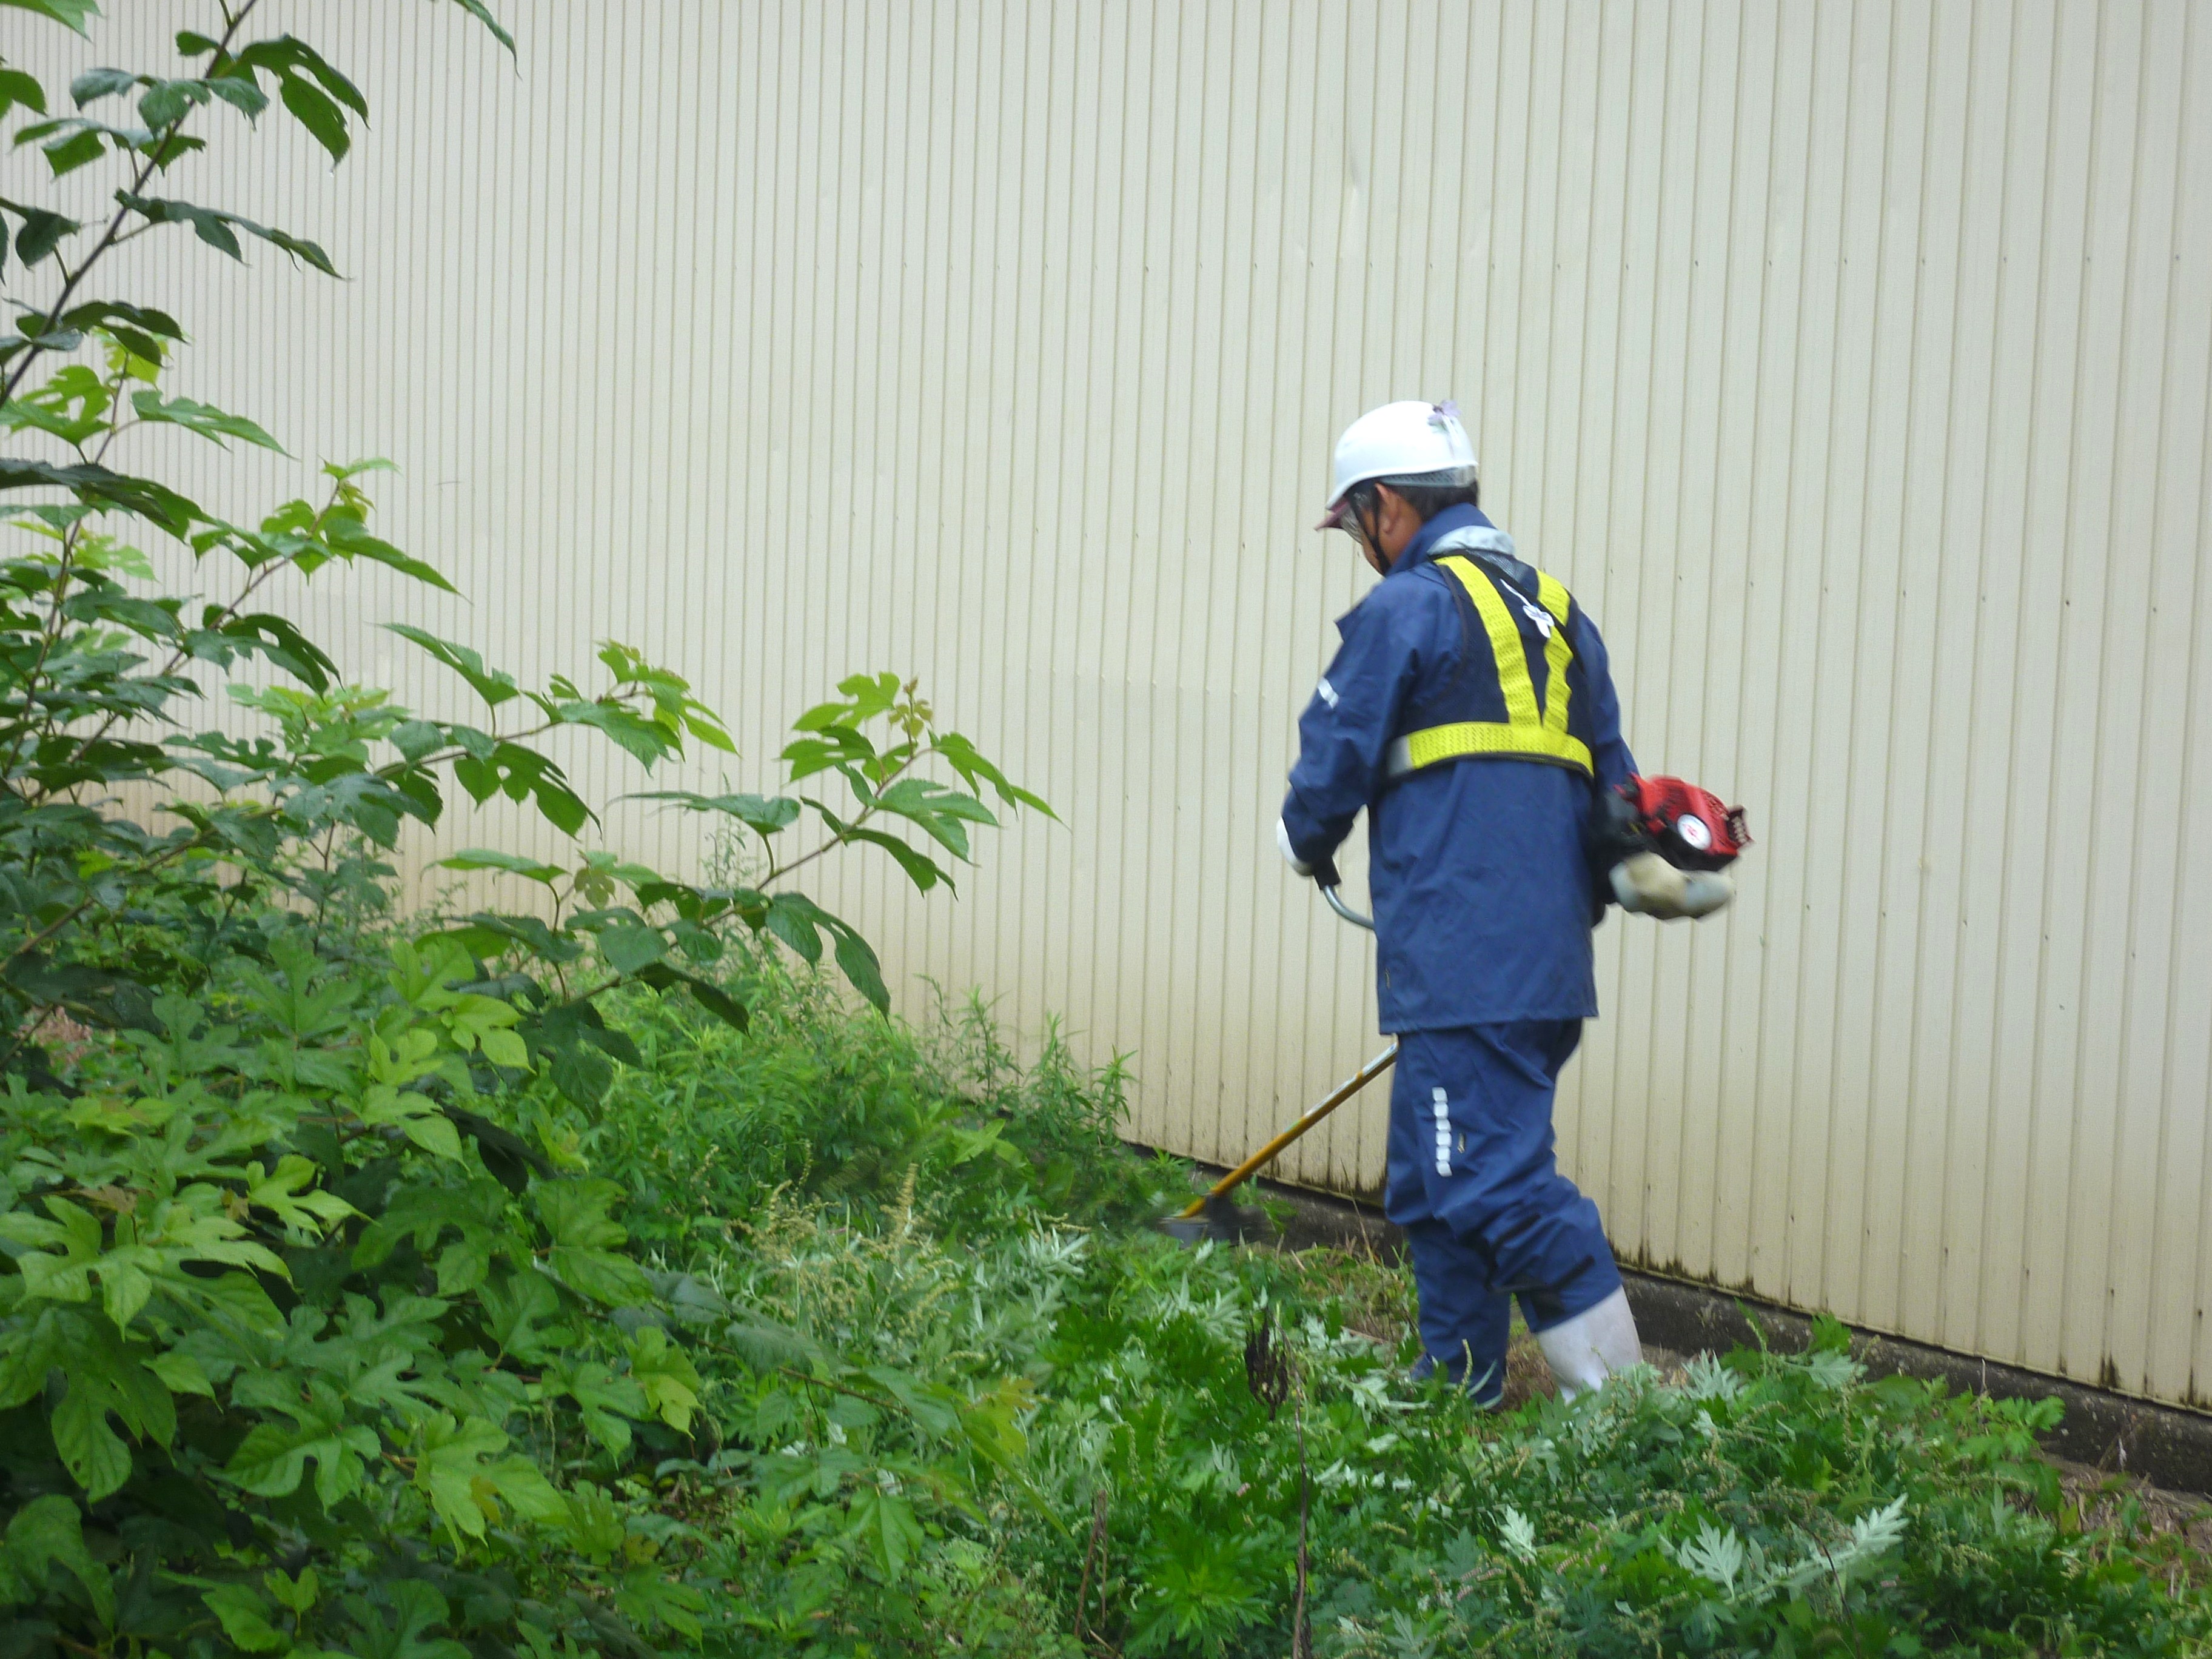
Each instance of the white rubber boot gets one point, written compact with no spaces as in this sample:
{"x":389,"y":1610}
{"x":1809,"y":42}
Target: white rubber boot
{"x":1583,"y":1352}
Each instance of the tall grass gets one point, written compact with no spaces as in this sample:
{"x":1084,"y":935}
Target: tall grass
{"x":850,"y":1108}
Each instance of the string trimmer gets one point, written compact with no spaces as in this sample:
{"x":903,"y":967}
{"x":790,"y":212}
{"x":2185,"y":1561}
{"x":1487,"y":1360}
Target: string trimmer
{"x":1211,"y":1215}
{"x":1676,"y":825}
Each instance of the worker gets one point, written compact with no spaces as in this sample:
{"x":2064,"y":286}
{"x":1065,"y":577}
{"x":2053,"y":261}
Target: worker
{"x":1470,"y":710}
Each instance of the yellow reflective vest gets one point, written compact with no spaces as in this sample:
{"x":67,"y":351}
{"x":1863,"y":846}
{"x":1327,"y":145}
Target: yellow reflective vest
{"x":1519,"y":694}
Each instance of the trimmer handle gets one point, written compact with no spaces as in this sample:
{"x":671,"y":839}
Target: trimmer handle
{"x":1327,"y":879}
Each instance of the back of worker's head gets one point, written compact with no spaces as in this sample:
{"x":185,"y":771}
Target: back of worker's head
{"x":1418,"y":449}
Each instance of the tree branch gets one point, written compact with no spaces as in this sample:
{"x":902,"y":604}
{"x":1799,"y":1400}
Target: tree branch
{"x":147,"y":167}
{"x":777,"y":872}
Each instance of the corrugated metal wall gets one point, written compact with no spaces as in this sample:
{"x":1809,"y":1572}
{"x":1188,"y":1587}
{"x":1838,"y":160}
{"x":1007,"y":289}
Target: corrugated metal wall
{"x":1850,"y":361}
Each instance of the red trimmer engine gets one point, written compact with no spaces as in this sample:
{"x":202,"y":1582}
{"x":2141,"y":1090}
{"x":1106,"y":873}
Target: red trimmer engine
{"x":1686,"y":826}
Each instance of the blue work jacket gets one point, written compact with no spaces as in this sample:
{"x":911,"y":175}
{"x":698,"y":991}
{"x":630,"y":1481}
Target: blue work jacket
{"x":1484,"y":899}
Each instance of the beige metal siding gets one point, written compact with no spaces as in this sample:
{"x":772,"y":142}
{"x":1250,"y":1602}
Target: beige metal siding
{"x":1850,"y":361}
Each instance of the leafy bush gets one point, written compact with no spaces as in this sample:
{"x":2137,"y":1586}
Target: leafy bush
{"x":316,"y":1332}
{"x":100,"y":913}
{"x":417,"y":1291}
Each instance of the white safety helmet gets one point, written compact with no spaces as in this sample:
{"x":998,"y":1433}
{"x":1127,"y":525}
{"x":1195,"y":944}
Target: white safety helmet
{"x":1405,"y":443}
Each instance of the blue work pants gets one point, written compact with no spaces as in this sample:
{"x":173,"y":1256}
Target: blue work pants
{"x":1472,"y":1180}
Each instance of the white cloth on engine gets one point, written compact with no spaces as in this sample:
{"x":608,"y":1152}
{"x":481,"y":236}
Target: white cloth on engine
{"x":1648,"y":885}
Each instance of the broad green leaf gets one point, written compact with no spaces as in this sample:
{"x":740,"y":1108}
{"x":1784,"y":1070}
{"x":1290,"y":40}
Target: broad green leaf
{"x":485,"y":934}
{"x":271,"y":1461}
{"x":885,"y":1524}
{"x":939,"y":811}
{"x":924,"y":871}
{"x":49,"y":1531}
{"x":239,"y":93}
{"x":96,"y":1457}
{"x":41,"y":234}
{"x":18,"y":86}
{"x":98,"y":83}
{"x":991,"y":1423}
{"x":585,"y":1240}
{"x":236,"y":1299}
{"x":315,"y":110}
{"x":604,"y":1399}
{"x":595,"y":1521}
{"x":70,"y":12}
{"x":581,"y":1075}
{"x":469,"y":1484}
{"x":218,"y":229}
{"x":165,"y":103}
{"x":245,"y":1617}
{"x":350,"y":540}
{"x":451,"y":1465}
{"x":859,"y":961}
{"x":720,"y":1003}
{"x":519,"y":1484}
{"x":485,"y":857}
{"x":795,"y":919}
{"x":716,"y":1001}
{"x":292,"y":58}
{"x":73,"y":404}
{"x":666,"y":1373}
{"x":600,"y":1275}
{"x":523,"y":774}
{"x":766,"y":814}
{"x":72,"y":142}
{"x":935,"y":1410}
{"x":272,"y":637}
{"x":141,"y":330}
{"x":415,"y":1606}
{"x":632,"y":947}
{"x":964,"y":758}
{"x":288,"y":1192}
{"x":202,"y":418}
{"x":416,"y":1116}
{"x":416,"y":738}
{"x":648,"y":1596}
{"x":180,"y":1373}
{"x":516,"y":1304}
{"x":647,"y":740}
{"x":481,"y":13}
{"x":96,"y":486}
{"x":296,"y":1596}
{"x":493,"y":686}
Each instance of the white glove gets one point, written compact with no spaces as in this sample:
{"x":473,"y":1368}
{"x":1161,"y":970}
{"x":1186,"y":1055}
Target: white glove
{"x":1282,"y":839}
{"x":1648,"y":885}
